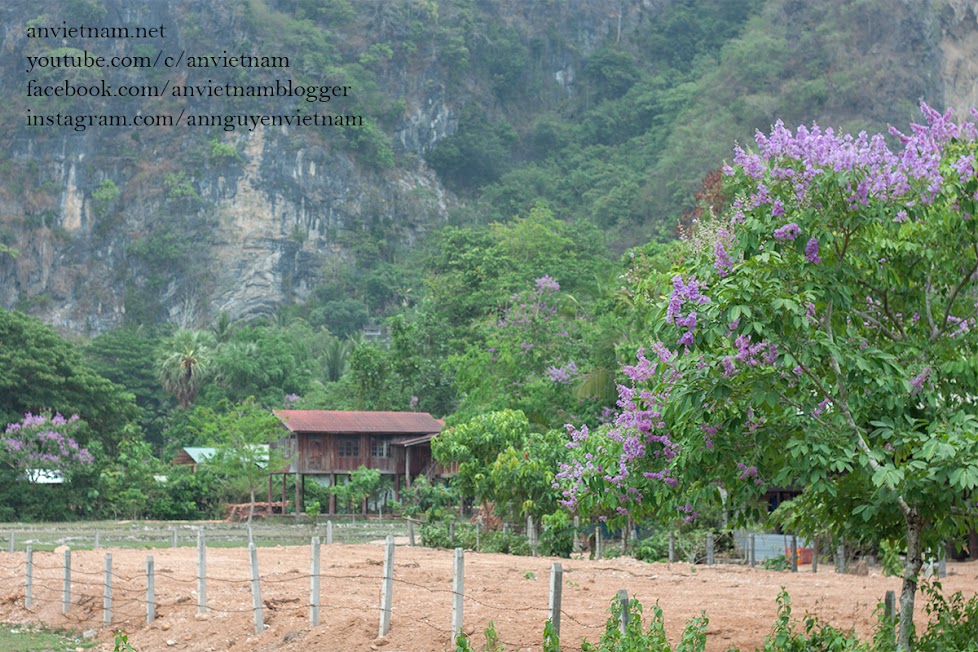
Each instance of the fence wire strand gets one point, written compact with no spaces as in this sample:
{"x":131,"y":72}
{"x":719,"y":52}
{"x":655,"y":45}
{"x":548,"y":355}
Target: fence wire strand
{"x":86,"y":600}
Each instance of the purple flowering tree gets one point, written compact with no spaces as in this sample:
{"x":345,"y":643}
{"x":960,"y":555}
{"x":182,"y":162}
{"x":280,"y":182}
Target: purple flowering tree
{"x":825,"y":339}
{"x":41,"y":443}
{"x":532,"y":358}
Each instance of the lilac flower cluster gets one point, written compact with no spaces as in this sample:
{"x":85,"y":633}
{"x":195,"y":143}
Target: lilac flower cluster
{"x":875,"y":171}
{"x":638,"y":431}
{"x":787,"y":232}
{"x":722,"y":263}
{"x":562,"y":375}
{"x":917,"y":384}
{"x":811,"y":251}
{"x":747,"y":472}
{"x":690,"y":514}
{"x":40,"y":441}
{"x":683,"y":293}
{"x":749,"y":354}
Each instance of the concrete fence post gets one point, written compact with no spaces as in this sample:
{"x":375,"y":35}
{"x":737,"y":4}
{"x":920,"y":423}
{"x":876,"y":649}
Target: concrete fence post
{"x":329,"y":533}
{"x":255,"y":589}
{"x":598,"y":547}
{"x":411,"y":541}
{"x":387,"y":587}
{"x":840,"y":559}
{"x":752,"y":549}
{"x":672,"y":547}
{"x":173,"y":537}
{"x":623,"y":618}
{"x":98,"y":538}
{"x":150,"y":590}
{"x":314,"y":568}
{"x":10,"y":543}
{"x":201,"y":572}
{"x":458,"y":588}
{"x":709,"y":548}
{"x":556,"y":588}
{"x":29,"y":580}
{"x":66,"y":593}
{"x":107,"y":594}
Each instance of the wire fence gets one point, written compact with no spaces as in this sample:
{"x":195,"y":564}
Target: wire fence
{"x":86,"y":589}
{"x":145,"y":534}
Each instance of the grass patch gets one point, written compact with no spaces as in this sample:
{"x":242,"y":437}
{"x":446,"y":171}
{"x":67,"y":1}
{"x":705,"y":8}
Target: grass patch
{"x":31,"y":638}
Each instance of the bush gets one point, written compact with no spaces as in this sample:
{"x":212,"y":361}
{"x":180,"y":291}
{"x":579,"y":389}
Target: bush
{"x":438,"y":535}
{"x":693,"y":638}
{"x":953,"y":621}
{"x":509,"y":543}
{"x":557,"y":537}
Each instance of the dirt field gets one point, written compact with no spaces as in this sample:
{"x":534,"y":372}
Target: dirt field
{"x":511,"y":591}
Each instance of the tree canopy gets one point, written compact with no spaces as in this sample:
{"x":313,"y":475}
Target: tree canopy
{"x":40,"y":370}
{"x":818,"y":335}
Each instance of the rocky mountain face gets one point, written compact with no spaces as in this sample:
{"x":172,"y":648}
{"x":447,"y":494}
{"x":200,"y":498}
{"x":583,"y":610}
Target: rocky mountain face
{"x":109,"y":224}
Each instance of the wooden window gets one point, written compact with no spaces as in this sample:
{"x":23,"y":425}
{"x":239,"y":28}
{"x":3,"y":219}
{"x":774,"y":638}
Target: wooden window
{"x":380,"y":447}
{"x":348,"y":446}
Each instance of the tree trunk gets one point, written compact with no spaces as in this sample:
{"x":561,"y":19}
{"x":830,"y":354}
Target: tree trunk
{"x":911,"y":572}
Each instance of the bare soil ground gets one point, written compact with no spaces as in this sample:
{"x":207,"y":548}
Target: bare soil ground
{"x":511,"y":591}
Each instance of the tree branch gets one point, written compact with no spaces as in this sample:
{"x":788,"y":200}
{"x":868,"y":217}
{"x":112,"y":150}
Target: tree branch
{"x":886,"y":331}
{"x":957,"y":290}
{"x":930,"y":313}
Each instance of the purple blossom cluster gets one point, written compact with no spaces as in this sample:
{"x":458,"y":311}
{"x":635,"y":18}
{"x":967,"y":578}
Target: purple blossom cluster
{"x":875,"y":171}
{"x":917,"y":384}
{"x":40,"y":441}
{"x":684,"y":293}
{"x":690,"y":514}
{"x":638,"y":433}
{"x":749,"y":354}
{"x":547,"y":285}
{"x":562,"y":375}
{"x":811,"y":251}
{"x":787,"y":232}
{"x":748,"y":472}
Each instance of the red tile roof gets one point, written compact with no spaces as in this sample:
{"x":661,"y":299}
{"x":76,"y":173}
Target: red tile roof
{"x":400,"y":423}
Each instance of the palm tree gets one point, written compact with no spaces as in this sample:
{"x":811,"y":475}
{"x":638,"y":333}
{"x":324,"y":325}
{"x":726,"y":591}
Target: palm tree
{"x":336,"y":355}
{"x":183,"y":367}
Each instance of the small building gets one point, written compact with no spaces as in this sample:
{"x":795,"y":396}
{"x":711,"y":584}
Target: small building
{"x":192,"y":456}
{"x":328,"y":444}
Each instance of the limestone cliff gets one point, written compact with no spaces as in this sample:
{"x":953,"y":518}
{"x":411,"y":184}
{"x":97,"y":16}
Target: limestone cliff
{"x":203,"y":220}
{"x":104,"y":225}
